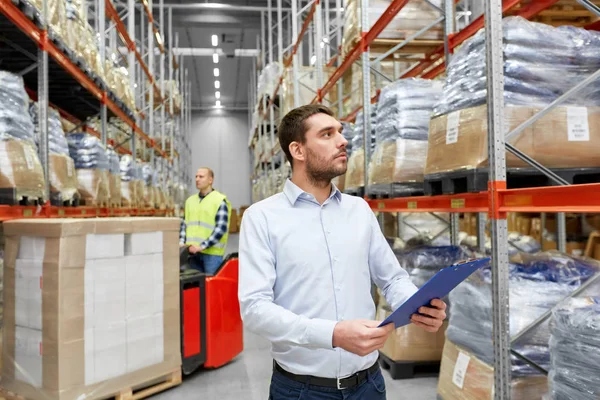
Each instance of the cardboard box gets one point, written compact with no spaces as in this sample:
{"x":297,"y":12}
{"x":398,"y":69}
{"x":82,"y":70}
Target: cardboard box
{"x":355,"y":174}
{"x":91,"y":306}
{"x":464,"y":377}
{"x":233,"y":222}
{"x":459,"y":140}
{"x":63,"y":179}
{"x":411,"y":343}
{"x":572,"y":248}
{"x":93,"y":186}
{"x":402,"y":160}
{"x":20,"y":168}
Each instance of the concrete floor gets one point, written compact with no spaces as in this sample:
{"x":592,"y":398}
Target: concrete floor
{"x":248,"y":376}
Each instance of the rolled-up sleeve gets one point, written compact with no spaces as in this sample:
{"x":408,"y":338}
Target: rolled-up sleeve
{"x":257,"y":277}
{"x":386,"y":271}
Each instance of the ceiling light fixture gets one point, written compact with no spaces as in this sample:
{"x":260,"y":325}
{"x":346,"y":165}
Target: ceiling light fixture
{"x":218,"y":104}
{"x":216,"y":72}
{"x":215,"y":40}
{"x":218,"y":95}
{"x":215,"y":58}
{"x":313,"y":60}
{"x":217,"y":85}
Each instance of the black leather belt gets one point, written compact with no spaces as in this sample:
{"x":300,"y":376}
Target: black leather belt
{"x":338,"y":383}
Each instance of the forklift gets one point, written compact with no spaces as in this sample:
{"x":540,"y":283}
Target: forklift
{"x":211,"y":325}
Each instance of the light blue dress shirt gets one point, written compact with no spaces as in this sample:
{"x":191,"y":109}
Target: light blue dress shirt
{"x":304,"y":266}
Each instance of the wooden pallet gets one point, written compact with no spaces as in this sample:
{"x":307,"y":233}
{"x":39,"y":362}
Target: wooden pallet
{"x":564,"y":12}
{"x":151,"y":388}
{"x":395,"y":190}
{"x":89,"y":202}
{"x":23,"y":197}
{"x":409,"y":369}
{"x":476,"y":180}
{"x":163,"y":383}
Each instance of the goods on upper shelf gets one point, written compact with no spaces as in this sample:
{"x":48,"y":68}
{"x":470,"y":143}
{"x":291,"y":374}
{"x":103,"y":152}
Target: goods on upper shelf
{"x":129,"y":195}
{"x":21,"y":173}
{"x":108,"y":315}
{"x":541,"y":63}
{"x":402,"y":126}
{"x":148,"y":188}
{"x":575,"y":350}
{"x":307,"y":87}
{"x":356,"y":162}
{"x":353,"y":83}
{"x":92,"y":165}
{"x":414,"y":16}
{"x":267,"y":80}
{"x":114,"y":178}
{"x":63,"y":179}
{"x":537,"y":283}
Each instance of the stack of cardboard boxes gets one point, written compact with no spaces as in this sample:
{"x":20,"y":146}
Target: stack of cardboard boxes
{"x":92,"y":306}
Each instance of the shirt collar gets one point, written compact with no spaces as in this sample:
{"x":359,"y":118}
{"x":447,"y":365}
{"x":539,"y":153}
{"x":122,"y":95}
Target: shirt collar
{"x":293,"y":192}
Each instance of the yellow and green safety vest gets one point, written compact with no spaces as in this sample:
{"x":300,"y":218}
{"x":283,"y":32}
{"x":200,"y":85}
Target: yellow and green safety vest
{"x":200,"y":221}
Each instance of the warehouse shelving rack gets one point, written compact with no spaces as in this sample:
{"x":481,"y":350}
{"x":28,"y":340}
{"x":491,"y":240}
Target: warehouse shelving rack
{"x":63,"y":82}
{"x":497,"y":201}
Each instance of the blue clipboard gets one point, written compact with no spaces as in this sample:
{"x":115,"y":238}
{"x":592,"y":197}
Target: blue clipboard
{"x":437,"y":287}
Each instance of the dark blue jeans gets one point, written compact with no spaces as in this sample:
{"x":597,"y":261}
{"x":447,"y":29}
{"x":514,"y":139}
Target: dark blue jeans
{"x":284,"y":388}
{"x":206,"y":263}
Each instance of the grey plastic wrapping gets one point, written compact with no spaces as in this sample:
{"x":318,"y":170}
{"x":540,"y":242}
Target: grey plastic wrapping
{"x":575,"y":350}
{"x":87,"y":151}
{"x":57,"y":142}
{"x":541,"y":63}
{"x":348,"y":133}
{"x":129,"y":196}
{"x":423,"y":262}
{"x":15,"y":121}
{"x":536,"y":284}
{"x":404,"y":109}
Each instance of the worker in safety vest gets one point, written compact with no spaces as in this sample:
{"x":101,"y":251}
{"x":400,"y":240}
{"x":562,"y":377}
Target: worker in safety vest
{"x":207,"y":216}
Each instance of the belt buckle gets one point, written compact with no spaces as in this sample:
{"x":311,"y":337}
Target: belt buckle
{"x":339,"y":384}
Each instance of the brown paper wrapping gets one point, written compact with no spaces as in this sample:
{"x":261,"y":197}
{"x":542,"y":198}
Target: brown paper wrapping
{"x":547,"y":140}
{"x":402,"y":160}
{"x":479,"y":380}
{"x":355,"y":174}
{"x":93,"y":186}
{"x":63,"y":177}
{"x":20,"y":169}
{"x":114,"y":187}
{"x":63,"y":312}
{"x":128,"y":194}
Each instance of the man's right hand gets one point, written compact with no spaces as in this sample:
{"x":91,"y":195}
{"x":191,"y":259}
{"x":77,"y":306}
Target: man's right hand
{"x":194,"y":249}
{"x":361,"y":337}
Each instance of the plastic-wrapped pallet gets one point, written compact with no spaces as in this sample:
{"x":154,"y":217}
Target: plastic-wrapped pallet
{"x":267,"y":79}
{"x":537,"y":283}
{"x":114,"y":178}
{"x":21,"y":173}
{"x":63,"y":179}
{"x":81,"y":37}
{"x":147,"y":177}
{"x":414,"y":16}
{"x":540,"y":64}
{"x":355,"y":173}
{"x":91,"y":164}
{"x":575,"y":350}
{"x":128,"y":179}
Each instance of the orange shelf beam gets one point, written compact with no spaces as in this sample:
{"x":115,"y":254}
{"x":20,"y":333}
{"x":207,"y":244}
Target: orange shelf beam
{"x":572,"y":198}
{"x":468,"y":202}
{"x":47,"y":211}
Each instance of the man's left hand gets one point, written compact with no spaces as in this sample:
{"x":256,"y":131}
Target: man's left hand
{"x":432,"y":317}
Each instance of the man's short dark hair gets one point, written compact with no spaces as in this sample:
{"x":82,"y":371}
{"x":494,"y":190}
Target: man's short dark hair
{"x":293,"y":126}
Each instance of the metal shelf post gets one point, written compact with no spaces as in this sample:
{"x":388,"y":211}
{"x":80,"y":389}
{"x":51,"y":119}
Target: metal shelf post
{"x":43,"y":104}
{"x":366,"y":80}
{"x":496,"y":144}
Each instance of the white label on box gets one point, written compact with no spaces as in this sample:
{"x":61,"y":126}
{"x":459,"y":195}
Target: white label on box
{"x":577,"y":124}
{"x":452,"y":127}
{"x":460,"y":369}
{"x":28,"y":158}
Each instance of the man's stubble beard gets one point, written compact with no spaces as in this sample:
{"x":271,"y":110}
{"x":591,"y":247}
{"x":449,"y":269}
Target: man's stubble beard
{"x":320,"y":171}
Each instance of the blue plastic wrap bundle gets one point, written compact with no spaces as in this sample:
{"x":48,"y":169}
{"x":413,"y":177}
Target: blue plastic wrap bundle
{"x":540,"y":64}
{"x":87,"y":151}
{"x":114,"y":167}
{"x":57,"y":142}
{"x":404,"y":109}
{"x":147,"y":174}
{"x":575,"y":350}
{"x":425,"y":261}
{"x":536,"y":285}
{"x":15,"y":121}
{"x":348,"y":133}
{"x":126,"y":168}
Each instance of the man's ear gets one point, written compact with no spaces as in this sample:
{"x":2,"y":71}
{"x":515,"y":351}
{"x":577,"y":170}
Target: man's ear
{"x":297,"y":151}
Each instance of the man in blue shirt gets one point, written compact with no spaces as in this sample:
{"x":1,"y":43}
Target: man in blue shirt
{"x":307,"y":258}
